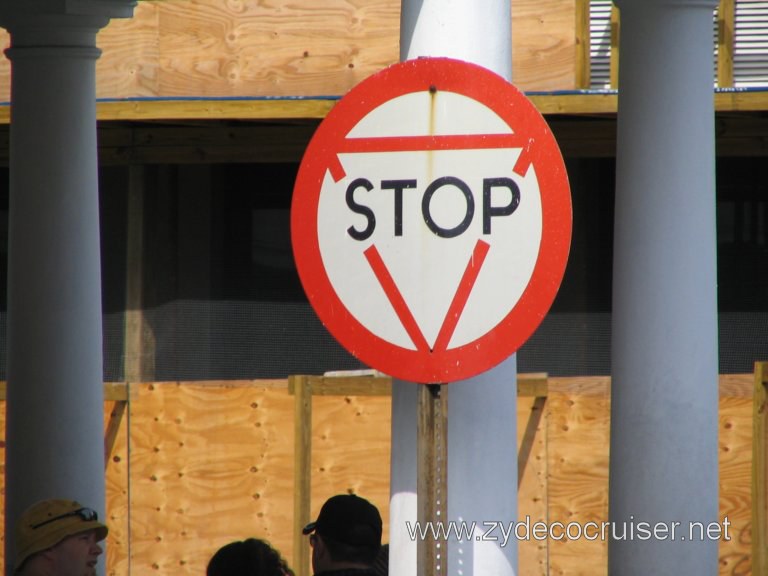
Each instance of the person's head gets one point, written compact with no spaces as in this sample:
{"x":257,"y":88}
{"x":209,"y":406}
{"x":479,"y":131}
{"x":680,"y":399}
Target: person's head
{"x":58,"y":537}
{"x":251,"y":557}
{"x":346,"y":534}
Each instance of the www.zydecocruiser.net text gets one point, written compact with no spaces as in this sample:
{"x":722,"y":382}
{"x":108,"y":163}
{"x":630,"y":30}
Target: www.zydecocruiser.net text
{"x":526,"y":529}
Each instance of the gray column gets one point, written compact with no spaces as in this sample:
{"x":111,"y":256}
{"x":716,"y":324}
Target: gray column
{"x":482,"y":413}
{"x":664,"y":403}
{"x":55,"y":409}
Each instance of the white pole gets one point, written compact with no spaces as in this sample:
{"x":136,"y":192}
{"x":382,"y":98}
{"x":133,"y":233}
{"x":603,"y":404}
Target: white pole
{"x":482,"y":446}
{"x":664,"y":467}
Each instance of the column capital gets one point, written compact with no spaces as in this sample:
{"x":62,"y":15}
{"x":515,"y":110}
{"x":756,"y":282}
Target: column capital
{"x":59,"y":22}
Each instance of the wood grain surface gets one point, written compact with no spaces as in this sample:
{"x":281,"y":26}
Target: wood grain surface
{"x":223,"y":48}
{"x":192,"y":466}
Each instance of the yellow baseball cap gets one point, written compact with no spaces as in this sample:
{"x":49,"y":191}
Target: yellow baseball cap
{"x":47,"y":523}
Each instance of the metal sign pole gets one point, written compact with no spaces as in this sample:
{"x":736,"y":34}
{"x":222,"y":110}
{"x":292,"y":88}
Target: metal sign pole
{"x":432,"y":476}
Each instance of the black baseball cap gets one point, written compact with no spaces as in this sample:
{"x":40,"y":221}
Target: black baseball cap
{"x":348,"y":519}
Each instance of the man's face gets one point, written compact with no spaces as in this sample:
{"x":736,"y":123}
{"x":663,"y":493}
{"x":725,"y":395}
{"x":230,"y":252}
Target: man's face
{"x":77,"y":555}
{"x":320,"y":555}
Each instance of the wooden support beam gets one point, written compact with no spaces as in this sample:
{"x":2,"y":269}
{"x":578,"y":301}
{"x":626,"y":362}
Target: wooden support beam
{"x":302,"y":473}
{"x":192,"y":109}
{"x":583,"y":48}
{"x":760,"y":471}
{"x":138,"y":354}
{"x":615,"y":34}
{"x":125,"y":140}
{"x":113,"y":391}
{"x":432,"y":474}
{"x":113,"y":429}
{"x":726,"y":16}
{"x":344,"y":385}
{"x":533,"y":384}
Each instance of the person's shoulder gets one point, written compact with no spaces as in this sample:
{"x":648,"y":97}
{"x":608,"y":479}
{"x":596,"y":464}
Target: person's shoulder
{"x":349,"y":572}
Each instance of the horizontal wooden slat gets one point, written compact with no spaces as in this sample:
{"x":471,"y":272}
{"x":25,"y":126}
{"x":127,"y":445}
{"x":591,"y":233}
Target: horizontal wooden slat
{"x":113,"y":391}
{"x":584,"y":125}
{"x":348,"y":385}
{"x":530,"y":385}
{"x":557,"y":103}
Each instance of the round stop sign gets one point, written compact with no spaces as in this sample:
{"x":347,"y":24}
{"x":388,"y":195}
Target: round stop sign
{"x":431,"y":220}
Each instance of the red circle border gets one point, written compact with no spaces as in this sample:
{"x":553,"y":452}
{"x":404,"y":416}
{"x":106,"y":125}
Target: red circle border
{"x":520,"y":114}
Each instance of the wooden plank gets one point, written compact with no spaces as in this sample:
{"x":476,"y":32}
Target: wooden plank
{"x":741,"y":101}
{"x":5,"y":67}
{"x":737,"y":386}
{"x":544,"y":44}
{"x":735,"y":480}
{"x":130,"y":54}
{"x":208,"y":108}
{"x":583,"y":60}
{"x":288,"y":48}
{"x":259,"y":383}
{"x":138,"y":351}
{"x":208,"y":465}
{"x":118,"y":511}
{"x":113,"y":391}
{"x":576,"y":103}
{"x":351,"y":450}
{"x":432,"y":473}
{"x":615,"y":45}
{"x":273,"y":48}
{"x":532,"y":490}
{"x":347,"y":385}
{"x":532,"y":385}
{"x":578,"y":433}
{"x":554,"y":103}
{"x":302,"y":470}
{"x":550,"y":104}
{"x":113,"y":427}
{"x":760,"y":470}
{"x":581,"y":386}
{"x":726,"y":14}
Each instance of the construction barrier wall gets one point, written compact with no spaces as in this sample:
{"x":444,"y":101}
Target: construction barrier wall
{"x":193,"y":465}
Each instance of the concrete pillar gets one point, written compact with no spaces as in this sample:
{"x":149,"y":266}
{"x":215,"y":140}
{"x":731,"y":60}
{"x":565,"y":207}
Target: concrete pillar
{"x":664,"y":403}
{"x":482,"y":447}
{"x":55,"y":409}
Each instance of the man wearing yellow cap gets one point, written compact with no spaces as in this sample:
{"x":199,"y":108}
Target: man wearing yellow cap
{"x":58,"y":538}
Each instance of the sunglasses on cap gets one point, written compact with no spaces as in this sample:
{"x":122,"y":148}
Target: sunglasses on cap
{"x":86,"y":514}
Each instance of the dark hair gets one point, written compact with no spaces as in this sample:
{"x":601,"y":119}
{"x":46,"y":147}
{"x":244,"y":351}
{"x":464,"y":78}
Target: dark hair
{"x":251,"y":557}
{"x":343,"y":552}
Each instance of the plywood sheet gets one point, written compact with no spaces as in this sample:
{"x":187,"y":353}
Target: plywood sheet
{"x":532,"y":491}
{"x":735,"y":439}
{"x":278,"y":48}
{"x":117,"y":487}
{"x":544,"y":44}
{"x":578,"y":439}
{"x":209,"y":464}
{"x":210,"y":48}
{"x":351,"y":450}
{"x":5,"y":68}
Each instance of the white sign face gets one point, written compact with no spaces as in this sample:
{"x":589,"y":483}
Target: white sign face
{"x":419,"y":223}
